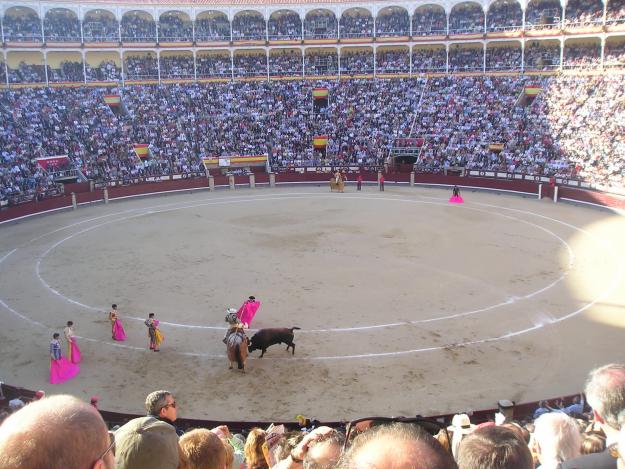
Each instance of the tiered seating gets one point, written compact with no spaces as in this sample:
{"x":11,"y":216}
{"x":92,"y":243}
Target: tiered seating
{"x":174,"y":28}
{"x":248,"y":26}
{"x":504,"y":16}
{"x":102,"y":27}
{"x":429,"y":21}
{"x":356,"y":24}
{"x":286,"y":26}
{"x":466,"y":18}
{"x":25,"y":27}
{"x":60,"y":25}
{"x":137,"y":28}
{"x":393,"y":22}
{"x":216,"y":28}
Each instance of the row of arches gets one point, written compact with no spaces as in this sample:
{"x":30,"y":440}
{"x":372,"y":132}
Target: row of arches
{"x":106,"y":66}
{"x":21,"y":23}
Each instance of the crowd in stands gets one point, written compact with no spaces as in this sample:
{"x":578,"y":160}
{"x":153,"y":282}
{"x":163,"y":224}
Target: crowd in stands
{"x":429,"y":60}
{"x":250,"y":65}
{"x":503,"y":58}
{"x":68,"y":71}
{"x":357,"y":62}
{"x":177,"y":66}
{"x":466,"y":20}
{"x":573,"y":128}
{"x":286,"y":63}
{"x":212,"y":29}
{"x":615,"y":13}
{"x":287,"y":26}
{"x":582,"y":56}
{"x":141,"y":67}
{"x":135,"y":28}
{"x":504,"y":16}
{"x":580,"y":435}
{"x":614,"y":54}
{"x":395,"y":23}
{"x":546,"y":14}
{"x":582,"y":13}
{"x":172,"y":28}
{"x":542,"y":56}
{"x":356,"y":25}
{"x":102,"y":28}
{"x":429,"y":21}
{"x":393,"y":61}
{"x":325,"y":63}
{"x":27,"y":73}
{"x":61,"y":26}
{"x":25,"y":27}
{"x":251,"y":27}
{"x":211,"y":66}
{"x":468,"y":59}
{"x":107,"y":70}
{"x":320,"y":26}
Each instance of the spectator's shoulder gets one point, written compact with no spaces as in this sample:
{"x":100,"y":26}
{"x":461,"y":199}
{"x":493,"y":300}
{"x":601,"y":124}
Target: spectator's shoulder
{"x":601,"y":460}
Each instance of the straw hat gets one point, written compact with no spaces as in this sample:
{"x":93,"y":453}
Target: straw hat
{"x":461,"y":423}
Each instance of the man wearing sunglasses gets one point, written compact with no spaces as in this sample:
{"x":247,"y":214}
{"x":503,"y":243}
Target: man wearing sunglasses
{"x":58,"y":432}
{"x":162,"y":405}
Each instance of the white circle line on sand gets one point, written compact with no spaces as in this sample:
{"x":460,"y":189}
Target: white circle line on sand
{"x":616,"y":280}
{"x":290,"y":196}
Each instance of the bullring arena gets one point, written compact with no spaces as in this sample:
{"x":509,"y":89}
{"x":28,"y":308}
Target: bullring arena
{"x":408,"y":304}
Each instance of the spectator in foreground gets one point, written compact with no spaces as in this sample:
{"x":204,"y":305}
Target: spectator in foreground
{"x":146,"y":442}
{"x":400,"y":446}
{"x":556,"y":439}
{"x":59,"y":432}
{"x":254,"y":457}
{"x":161,"y":405}
{"x":202,"y":449}
{"x":494,"y":447}
{"x":605,"y":393}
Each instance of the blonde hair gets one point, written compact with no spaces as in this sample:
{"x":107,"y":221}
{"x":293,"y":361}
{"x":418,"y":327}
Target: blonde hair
{"x":203,"y":449}
{"x":254,"y":457}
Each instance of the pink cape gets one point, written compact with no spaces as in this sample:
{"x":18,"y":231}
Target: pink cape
{"x":75,"y":353}
{"x":456,"y":199}
{"x":62,"y":370}
{"x":247,"y":312}
{"x":118,"y":331}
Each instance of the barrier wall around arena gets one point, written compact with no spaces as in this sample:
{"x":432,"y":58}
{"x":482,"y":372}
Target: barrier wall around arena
{"x":118,"y":192}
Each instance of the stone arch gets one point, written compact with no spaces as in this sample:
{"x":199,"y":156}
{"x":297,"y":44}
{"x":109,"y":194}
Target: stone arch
{"x":21,"y":24}
{"x":175,"y":26}
{"x":466,"y":18}
{"x":284,"y":25}
{"x":356,"y":22}
{"x":429,"y":20}
{"x":320,"y":23}
{"x":100,"y":25}
{"x":212,"y":25}
{"x":248,"y":25}
{"x":61,"y":25}
{"x":504,"y":15}
{"x":138,"y":26}
{"x":392,"y":21}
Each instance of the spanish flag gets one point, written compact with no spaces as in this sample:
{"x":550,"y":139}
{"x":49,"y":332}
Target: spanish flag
{"x":532,"y":90}
{"x":320,"y":141}
{"x":142,"y":150}
{"x":112,"y":99}
{"x":320,"y":93}
{"x":496,"y":147}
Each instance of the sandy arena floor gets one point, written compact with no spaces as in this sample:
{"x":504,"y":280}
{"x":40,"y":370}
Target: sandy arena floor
{"x":407,"y":304}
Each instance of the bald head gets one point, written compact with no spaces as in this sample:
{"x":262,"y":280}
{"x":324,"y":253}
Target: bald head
{"x":59,"y":432}
{"x":396,"y":446}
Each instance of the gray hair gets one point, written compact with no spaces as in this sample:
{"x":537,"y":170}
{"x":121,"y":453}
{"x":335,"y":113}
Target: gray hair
{"x":605,"y":392}
{"x":155,"y":401}
{"x":558,"y":436}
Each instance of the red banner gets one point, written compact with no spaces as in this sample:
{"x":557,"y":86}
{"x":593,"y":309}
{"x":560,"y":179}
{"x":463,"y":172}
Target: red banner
{"x":53,"y":163}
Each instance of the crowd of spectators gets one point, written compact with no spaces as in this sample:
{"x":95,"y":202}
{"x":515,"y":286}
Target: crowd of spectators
{"x":573,"y":128}
{"x":615,"y":13}
{"x":582,"y":56}
{"x":503,"y":58}
{"x":283,"y":27}
{"x":177,"y":66}
{"x":320,"y":26}
{"x":141,"y":67}
{"x":248,"y":27}
{"x":100,"y":28}
{"x":542,"y":56}
{"x":356,"y":25}
{"x":429,"y":21}
{"x":429,"y":60}
{"x":357,"y":62}
{"x":250,"y":65}
{"x":286,"y":63}
{"x":321,"y":63}
{"x":22,"y":28}
{"x":3,"y":72}
{"x":395,"y":23}
{"x":614,"y":55}
{"x":107,"y":70}
{"x":68,"y":71}
{"x":466,"y":19}
{"x":61,"y":26}
{"x":583,"y":13}
{"x":27,"y":73}
{"x":213,"y":66}
{"x":215,"y":28}
{"x":136,"y":28}
{"x":582,"y":434}
{"x":173,"y":28}
{"x":393,"y":61}
{"x":504,"y":16}
{"x":543,"y":14}
{"x":466,"y":59}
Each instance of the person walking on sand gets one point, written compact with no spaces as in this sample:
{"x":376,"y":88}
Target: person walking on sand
{"x":117,"y":328}
{"x":154,"y":334}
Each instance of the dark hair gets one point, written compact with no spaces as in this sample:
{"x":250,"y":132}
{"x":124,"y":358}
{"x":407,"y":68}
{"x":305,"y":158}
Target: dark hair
{"x":56,"y":335}
{"x":151,"y":315}
{"x":70,"y":323}
{"x":114,"y":306}
{"x":495,"y":448}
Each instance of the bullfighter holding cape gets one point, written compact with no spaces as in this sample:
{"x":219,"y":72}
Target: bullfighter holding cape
{"x":248,"y":310}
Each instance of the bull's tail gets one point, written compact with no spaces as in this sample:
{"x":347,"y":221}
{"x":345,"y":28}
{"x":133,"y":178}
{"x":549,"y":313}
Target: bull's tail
{"x":295,"y":327}
{"x":238,"y":354}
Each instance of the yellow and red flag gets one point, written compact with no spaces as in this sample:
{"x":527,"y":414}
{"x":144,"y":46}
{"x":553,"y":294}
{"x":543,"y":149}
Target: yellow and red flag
{"x":112,"y":99}
{"x":320,"y":141}
{"x":142,"y":150}
{"x":532,"y":90}
{"x":320,"y":93}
